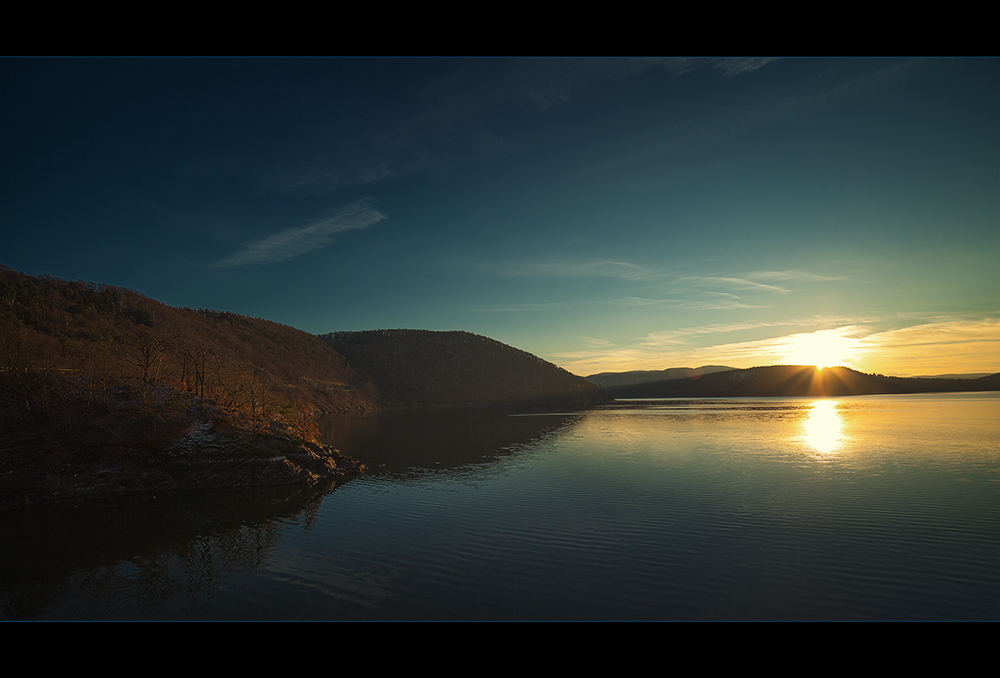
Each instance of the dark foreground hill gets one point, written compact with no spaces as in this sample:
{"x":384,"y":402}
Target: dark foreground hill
{"x":103,"y":390}
{"x":61,"y":339}
{"x":103,"y":339}
{"x":797,"y":380}
{"x":413,"y":368}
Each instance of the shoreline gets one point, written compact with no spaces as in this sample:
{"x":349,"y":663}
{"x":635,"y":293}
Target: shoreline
{"x":43,"y":459}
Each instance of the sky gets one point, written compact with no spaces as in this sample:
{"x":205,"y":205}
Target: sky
{"x":603,"y":214}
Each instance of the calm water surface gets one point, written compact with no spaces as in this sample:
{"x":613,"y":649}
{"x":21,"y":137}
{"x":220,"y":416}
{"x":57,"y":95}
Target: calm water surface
{"x":876,"y":507}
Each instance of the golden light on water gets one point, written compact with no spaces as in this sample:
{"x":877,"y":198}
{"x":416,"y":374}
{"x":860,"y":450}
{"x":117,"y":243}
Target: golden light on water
{"x":824,"y":429}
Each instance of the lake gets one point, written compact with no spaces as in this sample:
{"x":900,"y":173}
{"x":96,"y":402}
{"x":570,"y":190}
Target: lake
{"x":862,"y":508}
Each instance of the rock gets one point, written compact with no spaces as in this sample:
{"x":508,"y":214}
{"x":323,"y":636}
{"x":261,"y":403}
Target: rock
{"x":39,"y":464}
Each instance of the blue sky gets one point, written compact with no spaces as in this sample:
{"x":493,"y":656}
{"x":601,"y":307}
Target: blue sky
{"x":604,"y":214}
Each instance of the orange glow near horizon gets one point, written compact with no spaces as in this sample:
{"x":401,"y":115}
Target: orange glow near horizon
{"x":942,"y":347}
{"x":824,"y":348}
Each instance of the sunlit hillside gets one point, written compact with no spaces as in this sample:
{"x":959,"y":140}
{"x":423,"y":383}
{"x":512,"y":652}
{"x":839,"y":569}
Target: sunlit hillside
{"x":58,"y":337}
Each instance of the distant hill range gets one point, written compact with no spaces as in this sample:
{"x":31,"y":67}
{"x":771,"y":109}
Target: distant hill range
{"x":412,"y":368}
{"x":975,"y":375}
{"x":797,"y":380}
{"x":616,"y":379}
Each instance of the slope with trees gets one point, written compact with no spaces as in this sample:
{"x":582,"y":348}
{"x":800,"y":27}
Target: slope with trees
{"x":421,"y":368}
{"x":103,"y":388}
{"x":101,"y":338}
{"x":616,"y":379}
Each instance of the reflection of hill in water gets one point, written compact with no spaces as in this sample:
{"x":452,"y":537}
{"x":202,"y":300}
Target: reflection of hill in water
{"x":129,"y":559}
{"x":411,"y":443}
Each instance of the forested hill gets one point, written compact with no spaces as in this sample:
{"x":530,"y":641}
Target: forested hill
{"x":108,"y":345}
{"x":101,"y":339}
{"x":425,"y":368}
{"x":615,"y":379}
{"x":797,"y":380}
{"x":104,"y":390}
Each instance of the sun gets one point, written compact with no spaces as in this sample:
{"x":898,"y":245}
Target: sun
{"x":824,"y":348}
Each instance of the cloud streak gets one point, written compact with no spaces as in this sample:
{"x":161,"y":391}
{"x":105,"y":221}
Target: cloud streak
{"x":590,"y":268}
{"x":625,"y":270}
{"x":935,"y":348}
{"x":292,"y":242}
{"x":735,"y":283}
{"x":733,"y":66}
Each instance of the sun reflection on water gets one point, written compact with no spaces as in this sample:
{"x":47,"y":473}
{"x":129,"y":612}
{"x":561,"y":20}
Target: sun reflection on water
{"x":824,"y":427}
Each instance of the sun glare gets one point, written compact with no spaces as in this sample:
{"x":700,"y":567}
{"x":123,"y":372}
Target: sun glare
{"x":825,"y":348}
{"x":823,"y":428}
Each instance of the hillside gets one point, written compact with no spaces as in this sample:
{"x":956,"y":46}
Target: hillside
{"x":446,"y":369}
{"x":615,"y":379}
{"x":797,"y":380}
{"x":103,"y":389}
{"x":103,"y":338}
{"x":107,"y":345}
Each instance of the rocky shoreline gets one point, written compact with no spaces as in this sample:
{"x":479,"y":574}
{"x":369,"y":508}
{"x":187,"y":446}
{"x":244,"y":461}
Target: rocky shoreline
{"x":41,"y":462}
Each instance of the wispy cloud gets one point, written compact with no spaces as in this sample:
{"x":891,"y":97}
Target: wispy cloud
{"x":760,"y":281}
{"x":651,"y":287}
{"x":755,"y":281}
{"x":687,"y":304}
{"x":619,"y":302}
{"x":684,"y":333}
{"x":790,"y":275}
{"x":733,"y":66}
{"x":735,"y":283}
{"x":943,"y":346}
{"x":527,"y":307}
{"x":568,"y":268}
{"x":295,"y":241}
